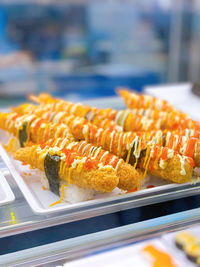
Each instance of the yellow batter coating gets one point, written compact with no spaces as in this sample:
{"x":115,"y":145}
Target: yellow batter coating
{"x":125,"y":120}
{"x":47,"y":110}
{"x":111,"y":141}
{"x":37,"y":129}
{"x":172,"y":170}
{"x":197,"y":155}
{"x":104,"y":180}
{"x":134,"y":100}
{"x":129,"y":178}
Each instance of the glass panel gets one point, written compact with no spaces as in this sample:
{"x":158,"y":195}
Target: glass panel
{"x":89,"y":244}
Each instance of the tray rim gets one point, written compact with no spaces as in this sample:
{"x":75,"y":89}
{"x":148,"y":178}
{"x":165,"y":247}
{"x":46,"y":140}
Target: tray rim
{"x":10,"y":197}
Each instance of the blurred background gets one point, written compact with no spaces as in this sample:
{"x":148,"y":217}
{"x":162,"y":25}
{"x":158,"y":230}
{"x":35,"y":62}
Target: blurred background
{"x":84,"y":49}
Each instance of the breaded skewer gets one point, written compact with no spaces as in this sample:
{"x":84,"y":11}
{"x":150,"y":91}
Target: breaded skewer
{"x":31,"y":128}
{"x":42,"y":131}
{"x":57,"y":105}
{"x":129,"y":177}
{"x":83,"y":172}
{"x":134,"y":100}
{"x":130,"y":147}
{"x":127,"y":120}
{"x":183,"y":145}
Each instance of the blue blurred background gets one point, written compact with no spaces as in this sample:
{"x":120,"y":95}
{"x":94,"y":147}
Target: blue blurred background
{"x":84,"y":49}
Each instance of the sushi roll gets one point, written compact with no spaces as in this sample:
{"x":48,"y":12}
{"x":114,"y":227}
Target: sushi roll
{"x":192,"y":251}
{"x":184,"y":238}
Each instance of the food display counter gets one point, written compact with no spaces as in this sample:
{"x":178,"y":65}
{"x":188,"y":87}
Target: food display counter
{"x":19,"y":215}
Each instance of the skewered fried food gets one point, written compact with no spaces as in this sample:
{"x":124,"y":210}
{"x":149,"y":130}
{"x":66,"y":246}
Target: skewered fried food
{"x":31,"y":128}
{"x":134,"y":100}
{"x":68,"y":166}
{"x":188,"y":133}
{"x":42,"y":131}
{"x":66,"y":109}
{"x":129,"y":177}
{"x":130,"y":147}
{"x":189,"y":147}
{"x":128,"y":120}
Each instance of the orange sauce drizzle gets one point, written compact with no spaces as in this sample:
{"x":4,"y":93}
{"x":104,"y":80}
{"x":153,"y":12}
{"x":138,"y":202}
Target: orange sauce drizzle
{"x":190,"y":147}
{"x":160,"y":258}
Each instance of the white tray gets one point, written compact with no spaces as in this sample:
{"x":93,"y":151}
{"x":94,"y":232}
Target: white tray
{"x":38,"y":198}
{"x":6,"y":194}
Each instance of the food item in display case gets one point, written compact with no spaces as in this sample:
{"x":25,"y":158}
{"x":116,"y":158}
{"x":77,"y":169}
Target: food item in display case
{"x":188,"y":133}
{"x":162,"y":162}
{"x":184,"y":238}
{"x":134,"y":100}
{"x":171,"y":119}
{"x":37,"y":130}
{"x":32,"y":128}
{"x":91,"y":114}
{"x":189,"y":244}
{"x":158,"y":257}
{"x":126,"y":120}
{"x":65,"y":167}
{"x":187,"y":146}
{"x":56,"y":130}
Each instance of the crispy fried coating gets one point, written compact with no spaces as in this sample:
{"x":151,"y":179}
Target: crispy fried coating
{"x":38,"y":130}
{"x":52,"y":111}
{"x":104,"y":180}
{"x":134,"y":100}
{"x":110,"y":141}
{"x":129,"y":177}
{"x":172,"y":170}
{"x":197,"y":154}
